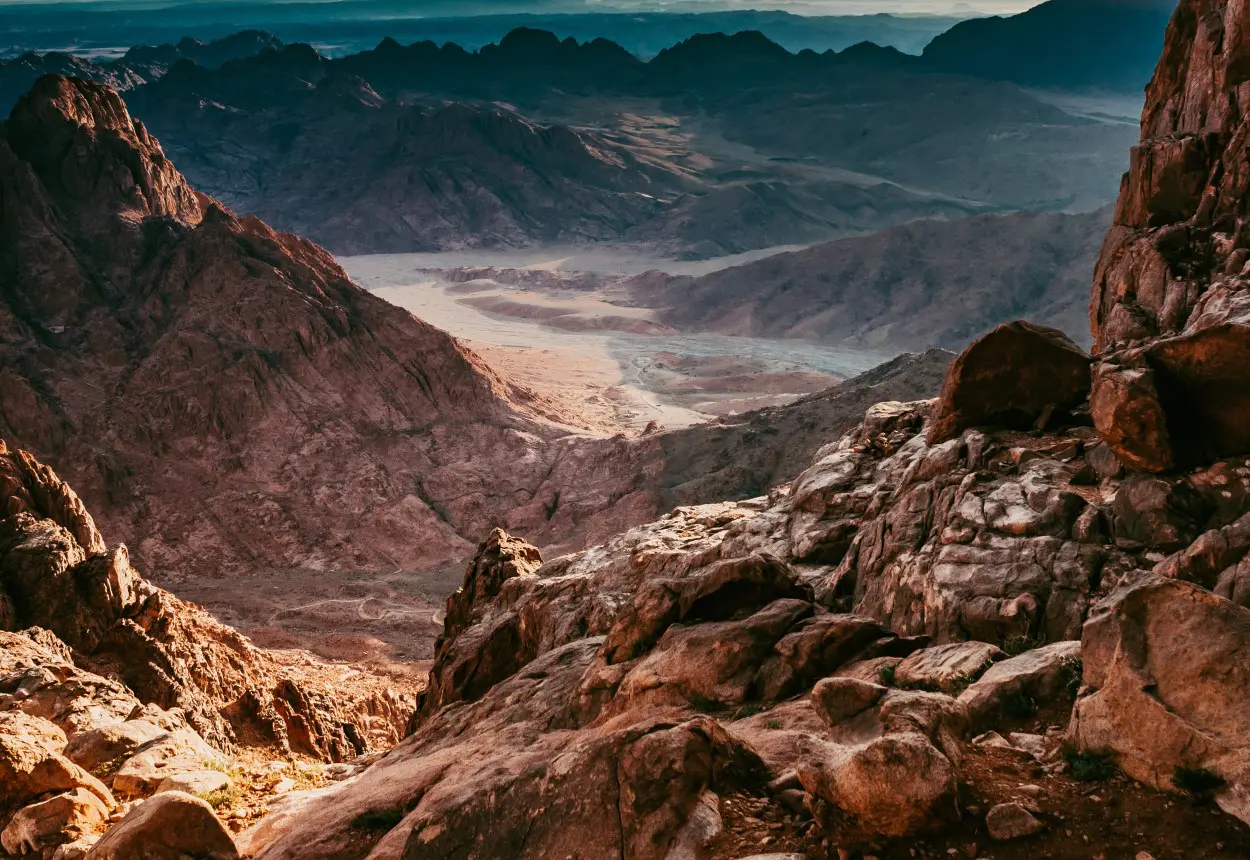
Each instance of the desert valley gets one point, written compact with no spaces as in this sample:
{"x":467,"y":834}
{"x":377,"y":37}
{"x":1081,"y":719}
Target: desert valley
{"x":693,"y":433}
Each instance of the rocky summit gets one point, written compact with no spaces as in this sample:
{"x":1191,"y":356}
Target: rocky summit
{"x":1011,"y":621}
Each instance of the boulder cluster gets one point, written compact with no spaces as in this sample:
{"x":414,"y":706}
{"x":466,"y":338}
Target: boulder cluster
{"x":841,"y":646}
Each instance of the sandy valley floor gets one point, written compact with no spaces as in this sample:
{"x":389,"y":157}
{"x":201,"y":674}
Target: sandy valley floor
{"x":607,"y":366}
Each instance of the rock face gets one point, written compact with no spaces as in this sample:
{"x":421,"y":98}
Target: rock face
{"x":1169,"y":295}
{"x":57,"y":574}
{"x":917,"y":559}
{"x":1169,"y":687}
{"x":114,"y":690}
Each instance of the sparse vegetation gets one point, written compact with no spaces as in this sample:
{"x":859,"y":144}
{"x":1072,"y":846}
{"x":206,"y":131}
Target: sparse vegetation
{"x":1090,"y":766}
{"x":747,"y":711}
{"x":1021,"y":643}
{"x":706,"y":706}
{"x":383,"y":820}
{"x":962,"y":683}
{"x":1071,"y":676}
{"x":1199,"y":783}
{"x":223,"y":798}
{"x":886,"y":675}
{"x":1019,"y":706}
{"x":773,"y":724}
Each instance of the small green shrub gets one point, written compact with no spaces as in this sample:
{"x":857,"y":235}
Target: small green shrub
{"x":886,"y":675}
{"x":1021,"y":643}
{"x":747,"y":711}
{"x":383,"y":820}
{"x":222,"y":798}
{"x":773,"y":724}
{"x":1091,"y":766}
{"x":1199,"y":783}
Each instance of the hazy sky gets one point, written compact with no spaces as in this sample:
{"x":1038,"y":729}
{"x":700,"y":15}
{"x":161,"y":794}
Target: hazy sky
{"x":810,"y":7}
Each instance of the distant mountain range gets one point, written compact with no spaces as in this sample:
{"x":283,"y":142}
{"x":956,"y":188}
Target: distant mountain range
{"x":341,"y":28}
{"x":719,"y":144}
{"x":1065,"y":44}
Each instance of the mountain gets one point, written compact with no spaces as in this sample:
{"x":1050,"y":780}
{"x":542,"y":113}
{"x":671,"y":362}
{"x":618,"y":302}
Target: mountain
{"x":151,"y":338}
{"x":340,"y":165}
{"x":1060,"y":44}
{"x":139,"y":64}
{"x":432,"y":176}
{"x":152,"y":61}
{"x":925,"y":283}
{"x":227,"y":400}
{"x":719,"y":145}
{"x":347,"y":28}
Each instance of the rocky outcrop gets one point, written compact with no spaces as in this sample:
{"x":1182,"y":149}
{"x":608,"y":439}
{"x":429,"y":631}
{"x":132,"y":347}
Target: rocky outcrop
{"x":57,"y":574}
{"x":1167,"y":308}
{"x":114,"y":690}
{"x":918,"y":560}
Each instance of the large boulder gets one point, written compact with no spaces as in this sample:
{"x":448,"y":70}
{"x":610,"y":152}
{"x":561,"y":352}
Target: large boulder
{"x":947,"y":667}
{"x":1178,"y":402}
{"x":179,"y":752}
{"x":897,"y":785}
{"x":1010,"y":377}
{"x":31,"y":764}
{"x":1167,"y":666}
{"x":1038,"y":676}
{"x":103,"y":748}
{"x":170,"y":826}
{"x":58,"y":820}
{"x":1130,"y":417}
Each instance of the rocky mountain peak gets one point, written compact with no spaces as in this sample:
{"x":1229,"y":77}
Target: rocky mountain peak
{"x":93,"y":157}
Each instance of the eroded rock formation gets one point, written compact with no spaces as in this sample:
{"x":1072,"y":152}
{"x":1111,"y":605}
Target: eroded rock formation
{"x":57,"y":574}
{"x":1168,"y":307}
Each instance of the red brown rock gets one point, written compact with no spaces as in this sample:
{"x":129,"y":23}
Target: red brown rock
{"x":168,"y":653}
{"x":207,"y":382}
{"x":1169,"y":306}
{"x":1010,"y":377}
{"x":170,"y":826}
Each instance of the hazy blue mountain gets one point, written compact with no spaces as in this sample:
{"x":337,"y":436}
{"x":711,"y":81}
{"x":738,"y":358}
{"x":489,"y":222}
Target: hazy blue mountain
{"x":345,"y":27}
{"x":1063,"y":44}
